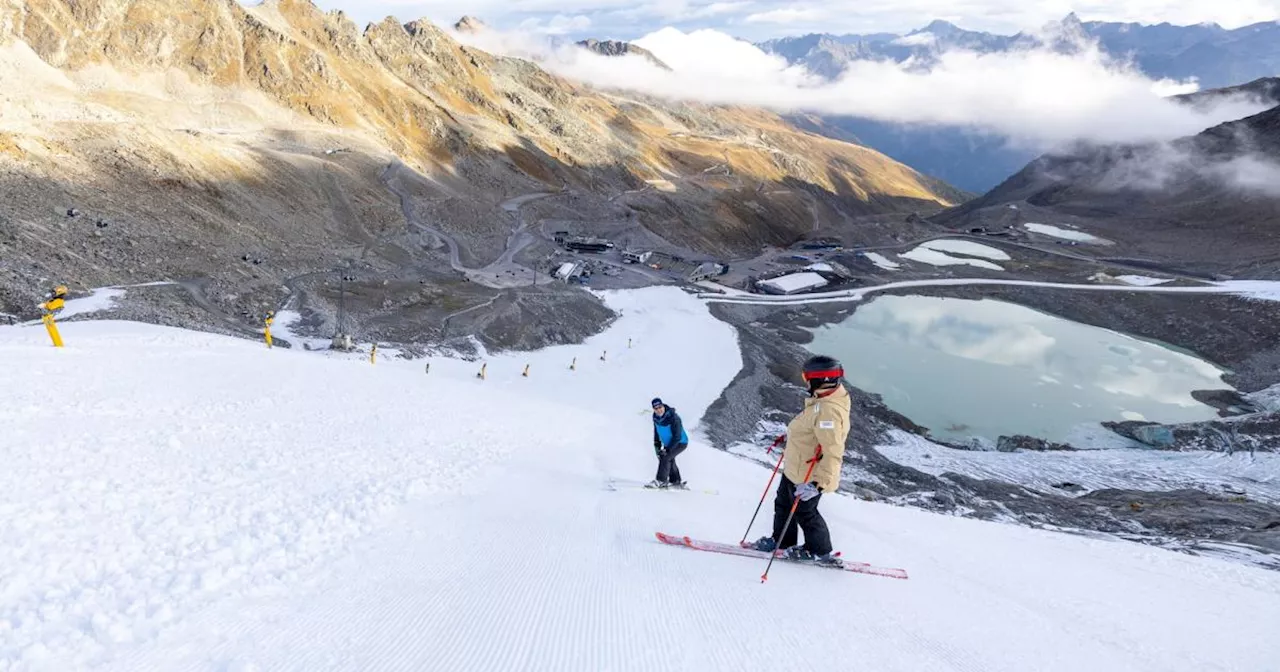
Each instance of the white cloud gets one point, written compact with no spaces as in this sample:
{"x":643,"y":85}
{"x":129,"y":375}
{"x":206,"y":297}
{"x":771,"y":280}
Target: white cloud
{"x":838,"y":16}
{"x":712,"y":54}
{"x":719,"y":8}
{"x":1162,"y":167}
{"x":785,"y":15}
{"x":560,"y":24}
{"x":916,"y":40}
{"x":1251,"y":173}
{"x":1038,"y":98}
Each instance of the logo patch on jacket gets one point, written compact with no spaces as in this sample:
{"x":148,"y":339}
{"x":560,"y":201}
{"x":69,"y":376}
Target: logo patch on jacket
{"x":826,"y":424}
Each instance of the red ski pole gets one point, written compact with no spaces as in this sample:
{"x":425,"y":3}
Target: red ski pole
{"x":795,"y":503}
{"x":768,"y":485}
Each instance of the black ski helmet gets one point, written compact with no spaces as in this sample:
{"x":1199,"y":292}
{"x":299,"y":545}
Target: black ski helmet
{"x":822,"y":371}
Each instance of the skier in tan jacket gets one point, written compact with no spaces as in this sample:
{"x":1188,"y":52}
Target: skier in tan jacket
{"x":815,"y":438}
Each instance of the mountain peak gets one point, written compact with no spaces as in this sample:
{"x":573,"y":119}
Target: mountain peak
{"x":620,"y":48}
{"x":470,"y":24}
{"x":939,"y":27}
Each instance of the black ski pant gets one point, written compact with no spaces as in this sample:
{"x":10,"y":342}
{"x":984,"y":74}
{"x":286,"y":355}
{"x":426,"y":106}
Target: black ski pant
{"x":668,"y":472}
{"x":817,"y":539}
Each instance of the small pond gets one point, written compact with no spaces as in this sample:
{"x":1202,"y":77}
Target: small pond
{"x":984,"y":368}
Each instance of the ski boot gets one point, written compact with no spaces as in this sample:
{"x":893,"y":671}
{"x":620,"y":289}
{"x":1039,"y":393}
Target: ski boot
{"x":656,"y":485}
{"x":802,"y":554}
{"x":829,"y":560}
{"x":765,"y":544}
{"x":799,"y":554}
{"x":682,"y":485}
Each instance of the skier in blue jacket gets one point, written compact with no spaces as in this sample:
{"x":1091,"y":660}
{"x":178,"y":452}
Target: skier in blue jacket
{"x":669,"y":440}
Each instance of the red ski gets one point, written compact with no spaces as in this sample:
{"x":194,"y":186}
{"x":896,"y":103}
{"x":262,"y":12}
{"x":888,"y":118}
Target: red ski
{"x":735,"y":549}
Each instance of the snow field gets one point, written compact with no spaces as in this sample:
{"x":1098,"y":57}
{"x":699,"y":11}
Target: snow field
{"x":1142,"y":280}
{"x":938,"y":258}
{"x":967,"y":247}
{"x":194,"y":502}
{"x":1258,"y":476}
{"x":934,"y":253}
{"x":883,"y":262}
{"x":1059,"y":232}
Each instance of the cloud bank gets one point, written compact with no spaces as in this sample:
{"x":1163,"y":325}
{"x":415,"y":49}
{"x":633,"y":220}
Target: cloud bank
{"x":1038,"y":98}
{"x":765,"y":19}
{"x":1164,"y":167}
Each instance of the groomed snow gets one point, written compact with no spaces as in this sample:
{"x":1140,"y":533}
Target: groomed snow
{"x":175,"y":500}
{"x":1058,"y":232}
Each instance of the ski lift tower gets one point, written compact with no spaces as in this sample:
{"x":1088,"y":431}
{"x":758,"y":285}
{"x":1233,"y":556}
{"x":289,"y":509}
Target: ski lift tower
{"x":341,"y":336}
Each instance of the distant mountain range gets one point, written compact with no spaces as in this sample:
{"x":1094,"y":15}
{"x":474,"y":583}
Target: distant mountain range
{"x":1215,"y":56}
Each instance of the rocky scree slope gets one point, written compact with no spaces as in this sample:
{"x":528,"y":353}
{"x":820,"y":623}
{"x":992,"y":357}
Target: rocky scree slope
{"x":254,"y":150}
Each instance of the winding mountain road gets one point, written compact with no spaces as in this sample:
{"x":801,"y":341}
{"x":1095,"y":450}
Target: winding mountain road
{"x":504,"y":273}
{"x":720,"y":294}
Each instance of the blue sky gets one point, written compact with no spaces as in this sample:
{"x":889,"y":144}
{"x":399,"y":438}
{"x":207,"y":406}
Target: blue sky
{"x":762,"y":19}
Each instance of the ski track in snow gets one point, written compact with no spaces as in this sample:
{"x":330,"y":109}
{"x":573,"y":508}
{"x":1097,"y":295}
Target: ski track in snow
{"x":194,"y":502}
{"x":275,"y":492}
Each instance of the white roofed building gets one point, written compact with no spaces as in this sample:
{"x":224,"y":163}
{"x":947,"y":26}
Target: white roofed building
{"x":793,"y":283}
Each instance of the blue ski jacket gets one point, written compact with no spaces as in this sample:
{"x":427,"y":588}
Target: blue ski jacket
{"x":668,"y":430}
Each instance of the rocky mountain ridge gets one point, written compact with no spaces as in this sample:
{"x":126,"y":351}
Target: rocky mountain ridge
{"x":619,"y":48}
{"x":254,"y":151}
{"x":1208,"y":203}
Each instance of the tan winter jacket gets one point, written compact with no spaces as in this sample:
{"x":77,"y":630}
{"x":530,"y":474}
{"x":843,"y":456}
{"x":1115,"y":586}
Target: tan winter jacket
{"x":825,"y":422}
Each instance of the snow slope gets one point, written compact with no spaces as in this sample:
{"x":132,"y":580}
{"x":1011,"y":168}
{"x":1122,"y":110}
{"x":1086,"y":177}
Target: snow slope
{"x":181,"y":501}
